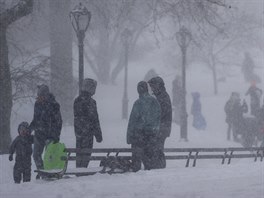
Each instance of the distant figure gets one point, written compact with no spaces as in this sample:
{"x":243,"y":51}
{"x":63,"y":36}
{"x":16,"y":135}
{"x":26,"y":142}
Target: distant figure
{"x":234,"y":115}
{"x":86,"y":121}
{"x":196,"y":110}
{"x":150,"y":74}
{"x":255,"y":96}
{"x":22,"y":146}
{"x":177,"y":96}
{"x":157,"y":86}
{"x":260,"y":118}
{"x":143,"y":129}
{"x":46,"y":123}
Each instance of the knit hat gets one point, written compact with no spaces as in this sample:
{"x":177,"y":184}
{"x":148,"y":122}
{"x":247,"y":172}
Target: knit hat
{"x":43,"y":90}
{"x":142,"y":87}
{"x":156,"y":84}
{"x":23,"y":126}
{"x":89,"y":85}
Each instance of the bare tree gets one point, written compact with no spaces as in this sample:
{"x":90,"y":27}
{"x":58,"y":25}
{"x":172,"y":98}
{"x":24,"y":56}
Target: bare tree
{"x":221,"y":47}
{"x":7,"y":17}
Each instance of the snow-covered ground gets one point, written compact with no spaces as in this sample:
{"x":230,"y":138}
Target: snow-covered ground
{"x":243,"y":178}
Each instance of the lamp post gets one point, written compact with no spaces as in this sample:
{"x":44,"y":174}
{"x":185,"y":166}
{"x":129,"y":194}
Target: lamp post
{"x":126,"y":37}
{"x":183,"y":38}
{"x":80,"y":19}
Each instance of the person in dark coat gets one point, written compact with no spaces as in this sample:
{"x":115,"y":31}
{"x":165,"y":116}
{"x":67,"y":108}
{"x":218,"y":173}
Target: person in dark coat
{"x":86,"y":121}
{"x":46,"y":123}
{"x":234,"y":115}
{"x":196,"y":110}
{"x":158,"y":88}
{"x":177,"y":96}
{"x":22,"y":146}
{"x":255,"y":95}
{"x":143,"y":128}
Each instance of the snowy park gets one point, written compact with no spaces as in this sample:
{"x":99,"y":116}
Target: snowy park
{"x":223,"y":55}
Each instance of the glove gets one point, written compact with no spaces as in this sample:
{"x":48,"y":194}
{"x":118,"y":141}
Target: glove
{"x":10,"y":158}
{"x":99,"y":139}
{"x":55,"y":140}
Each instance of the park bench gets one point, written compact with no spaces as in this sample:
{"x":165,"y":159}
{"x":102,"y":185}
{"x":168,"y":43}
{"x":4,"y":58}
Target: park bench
{"x":188,"y":154}
{"x":225,"y":154}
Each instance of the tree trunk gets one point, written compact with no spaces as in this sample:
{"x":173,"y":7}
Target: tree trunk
{"x":61,"y":56}
{"x":7,"y":17}
{"x":5,"y":93}
{"x":215,"y":79}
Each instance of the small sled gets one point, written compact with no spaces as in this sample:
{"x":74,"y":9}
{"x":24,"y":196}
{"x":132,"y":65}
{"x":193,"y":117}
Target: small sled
{"x":54,"y":166}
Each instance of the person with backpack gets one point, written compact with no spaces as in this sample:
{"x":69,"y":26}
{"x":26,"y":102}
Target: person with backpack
{"x":22,"y":146}
{"x":143,"y":129}
{"x":157,"y":86}
{"x":86,"y":121}
{"x":47,"y":123}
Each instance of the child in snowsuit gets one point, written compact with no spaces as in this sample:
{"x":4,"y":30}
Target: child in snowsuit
{"x":22,"y":146}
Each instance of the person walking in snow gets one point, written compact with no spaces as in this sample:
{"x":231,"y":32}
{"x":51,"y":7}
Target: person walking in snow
{"x":157,"y":86}
{"x":143,"y":129}
{"x":255,"y":97}
{"x":46,"y":123}
{"x":86,"y":121}
{"x":22,"y":146}
{"x":196,"y":110}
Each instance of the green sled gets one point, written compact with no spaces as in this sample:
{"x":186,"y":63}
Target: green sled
{"x":52,"y":156}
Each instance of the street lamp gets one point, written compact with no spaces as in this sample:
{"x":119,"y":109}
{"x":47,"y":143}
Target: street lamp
{"x":126,"y":37}
{"x":183,"y":38}
{"x":80,"y":19}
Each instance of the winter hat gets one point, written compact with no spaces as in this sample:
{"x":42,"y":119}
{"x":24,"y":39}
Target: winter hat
{"x":235,"y":96}
{"x":142,"y":87}
{"x":89,"y":85}
{"x":156,"y":84}
{"x":43,"y":90}
{"x":23,"y":126}
{"x":156,"y":81}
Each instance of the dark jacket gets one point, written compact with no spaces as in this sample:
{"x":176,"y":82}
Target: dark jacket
{"x":22,"y":146}
{"x":234,"y":112}
{"x":47,"y":121}
{"x":86,"y":121}
{"x":166,"y":113}
{"x":144,"y":118}
{"x":255,"y":96}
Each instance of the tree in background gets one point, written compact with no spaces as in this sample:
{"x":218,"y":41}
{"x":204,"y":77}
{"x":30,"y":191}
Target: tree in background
{"x":7,"y":17}
{"x":61,"y":81}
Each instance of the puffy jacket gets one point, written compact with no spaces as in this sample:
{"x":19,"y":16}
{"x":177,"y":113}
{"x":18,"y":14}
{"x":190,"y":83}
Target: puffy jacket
{"x":86,"y":121}
{"x":22,"y":146}
{"x":47,"y":121}
{"x":144,"y":117}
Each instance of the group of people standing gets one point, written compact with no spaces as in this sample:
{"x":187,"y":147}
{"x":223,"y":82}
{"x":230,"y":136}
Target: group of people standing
{"x":148,"y":127}
{"x":234,"y":109}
